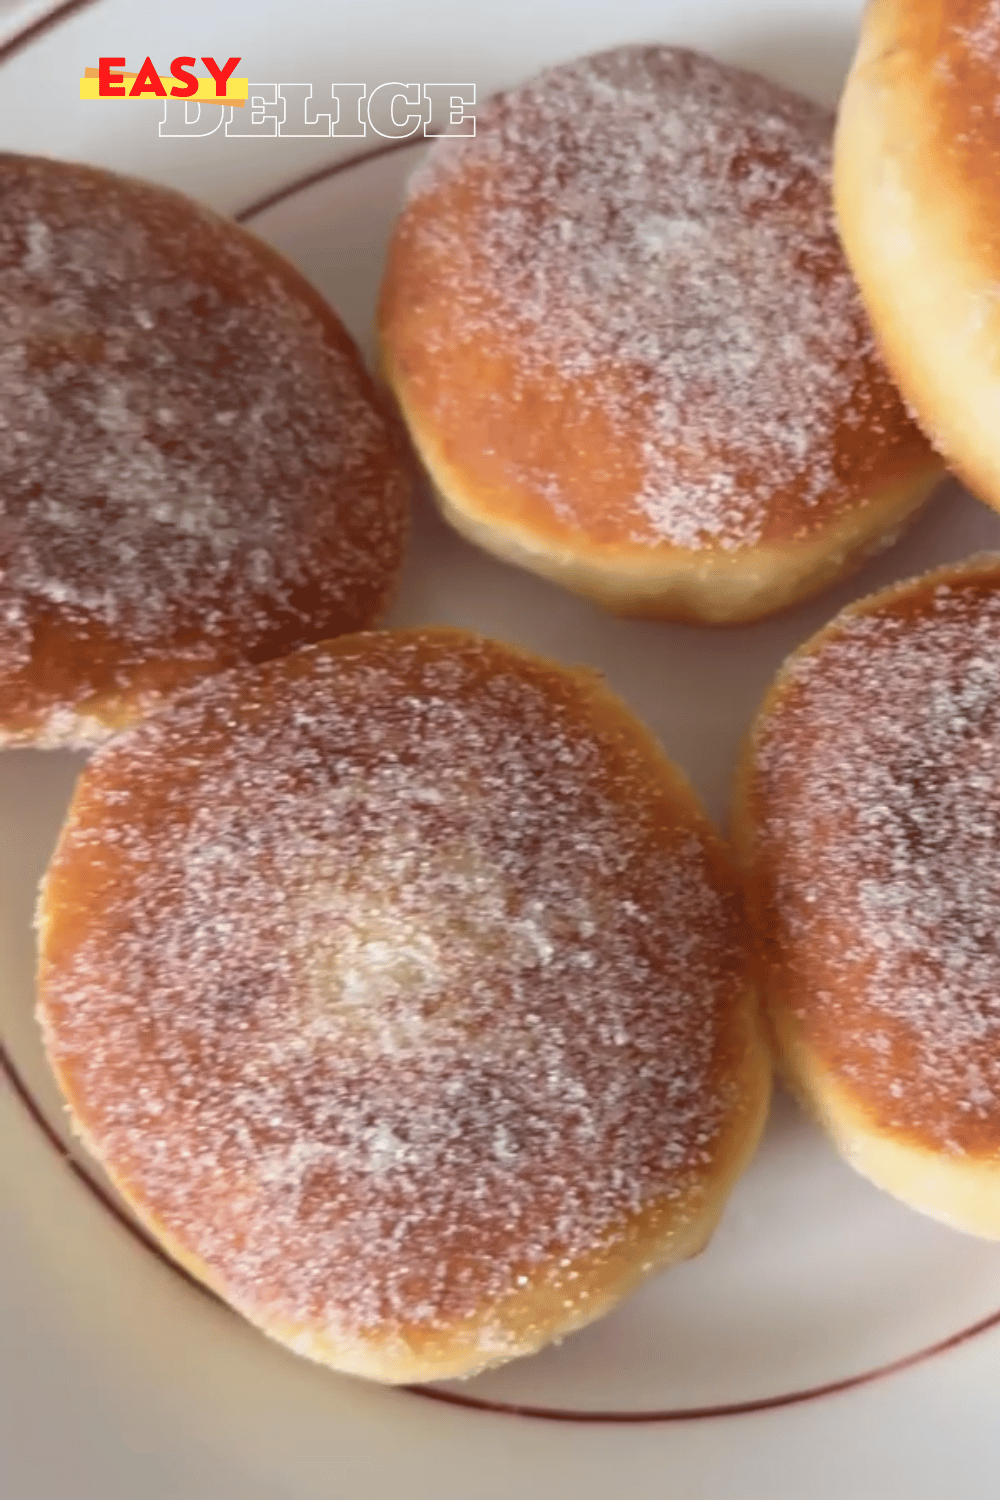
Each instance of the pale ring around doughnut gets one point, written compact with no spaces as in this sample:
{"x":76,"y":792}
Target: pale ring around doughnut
{"x":629,"y":351}
{"x":918,"y":140}
{"x":401,"y":987}
{"x":195,"y":468}
{"x":867,"y":818}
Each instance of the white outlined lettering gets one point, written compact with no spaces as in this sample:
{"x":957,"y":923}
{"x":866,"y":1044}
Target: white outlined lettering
{"x":382,"y":102}
{"x":448,"y":103}
{"x":297,"y":121}
{"x":394,"y":111}
{"x":262,"y":113}
{"x":348,"y":121}
{"x":182,"y":117}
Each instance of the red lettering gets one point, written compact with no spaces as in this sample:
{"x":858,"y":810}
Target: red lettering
{"x":147,"y":81}
{"x":179,"y":69}
{"x":220,"y":74}
{"x":107,"y":81}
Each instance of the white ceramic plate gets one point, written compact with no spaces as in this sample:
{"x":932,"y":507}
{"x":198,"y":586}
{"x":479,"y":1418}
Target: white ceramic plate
{"x":829,"y":1343}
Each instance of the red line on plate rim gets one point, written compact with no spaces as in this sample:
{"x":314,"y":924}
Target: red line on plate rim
{"x":37,"y":28}
{"x":321,"y":174}
{"x":36,"y":1114}
{"x":108,"y":1201}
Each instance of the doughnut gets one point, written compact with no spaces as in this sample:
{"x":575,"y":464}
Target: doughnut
{"x":917,"y":145}
{"x":629,"y":351}
{"x":401,"y":987}
{"x":195,"y":470}
{"x":867,"y":818}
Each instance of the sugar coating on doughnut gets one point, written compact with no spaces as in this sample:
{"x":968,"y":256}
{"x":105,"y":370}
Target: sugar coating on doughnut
{"x":381,"y":988}
{"x":192,"y":467}
{"x":652,"y":232}
{"x":981,"y":38}
{"x":877,"y":800}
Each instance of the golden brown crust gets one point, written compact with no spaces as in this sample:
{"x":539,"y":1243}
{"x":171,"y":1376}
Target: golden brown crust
{"x":401,"y":987}
{"x":917,"y":157}
{"x":865,"y":815}
{"x":194,"y":465}
{"x":622,"y":332}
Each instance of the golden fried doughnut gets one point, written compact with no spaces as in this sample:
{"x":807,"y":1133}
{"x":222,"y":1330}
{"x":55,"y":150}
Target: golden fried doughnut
{"x":401,"y":987}
{"x":194,"y":471}
{"x":868,"y":815}
{"x":918,"y":144}
{"x":629,"y":350}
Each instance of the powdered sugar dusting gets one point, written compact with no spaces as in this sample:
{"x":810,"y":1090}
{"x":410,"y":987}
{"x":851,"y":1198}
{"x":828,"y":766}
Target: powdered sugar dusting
{"x":981,"y":38}
{"x":656,"y":230}
{"x":191,"y":465}
{"x":880,"y":784}
{"x":388,"y":995}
